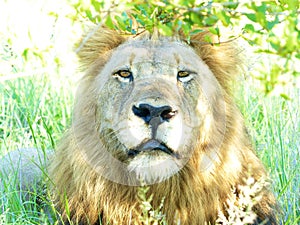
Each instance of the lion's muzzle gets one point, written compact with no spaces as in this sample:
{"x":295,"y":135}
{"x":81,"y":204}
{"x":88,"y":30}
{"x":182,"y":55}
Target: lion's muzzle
{"x":154,"y":116}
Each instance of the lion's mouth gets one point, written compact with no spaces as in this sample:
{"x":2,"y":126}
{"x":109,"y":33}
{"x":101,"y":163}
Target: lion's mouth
{"x":151,"y":145}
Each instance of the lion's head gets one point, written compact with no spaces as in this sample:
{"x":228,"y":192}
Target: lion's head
{"x":155,"y":100}
{"x":156,"y":111}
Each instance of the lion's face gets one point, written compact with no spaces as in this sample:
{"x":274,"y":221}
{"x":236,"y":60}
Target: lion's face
{"x":155,"y":99}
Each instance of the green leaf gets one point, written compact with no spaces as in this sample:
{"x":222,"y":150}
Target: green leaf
{"x":25,"y":53}
{"x":211,"y":20}
{"x":225,"y":19}
{"x":121,"y":23}
{"x":186,"y":3}
{"x":196,"y":18}
{"x":214,"y":30}
{"x":196,"y":31}
{"x":165,"y":29}
{"x":232,"y":5}
{"x":285,"y":96}
{"x":293,"y":4}
{"x":270,"y":25}
{"x":261,"y":19}
{"x":109,"y":23}
{"x":88,"y":14}
{"x":208,"y":39}
{"x":274,"y":42}
{"x":186,"y":27}
{"x":249,"y":27}
{"x":251,"y":17}
{"x":97,"y":5}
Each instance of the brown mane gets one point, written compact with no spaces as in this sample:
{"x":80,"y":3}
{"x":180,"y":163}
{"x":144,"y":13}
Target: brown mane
{"x":190,"y":196}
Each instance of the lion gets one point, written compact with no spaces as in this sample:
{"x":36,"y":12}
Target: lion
{"x":155,"y":111}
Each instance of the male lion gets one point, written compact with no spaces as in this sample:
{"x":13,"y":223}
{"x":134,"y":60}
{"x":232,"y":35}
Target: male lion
{"x":155,"y":111}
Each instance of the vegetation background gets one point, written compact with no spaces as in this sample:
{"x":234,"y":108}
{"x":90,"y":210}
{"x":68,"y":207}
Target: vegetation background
{"x":38,"y":77}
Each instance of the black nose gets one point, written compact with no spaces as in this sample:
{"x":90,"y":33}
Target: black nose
{"x":148,"y":112}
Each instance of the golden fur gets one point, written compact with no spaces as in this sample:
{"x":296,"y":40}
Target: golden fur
{"x":191,"y":196}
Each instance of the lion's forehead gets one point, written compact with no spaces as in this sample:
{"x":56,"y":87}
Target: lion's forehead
{"x":171,"y":54}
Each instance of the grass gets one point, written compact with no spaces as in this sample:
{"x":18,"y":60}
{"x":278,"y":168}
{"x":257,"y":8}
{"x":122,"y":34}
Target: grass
{"x":35,"y":109}
{"x":34,"y":113}
{"x":275,"y":127}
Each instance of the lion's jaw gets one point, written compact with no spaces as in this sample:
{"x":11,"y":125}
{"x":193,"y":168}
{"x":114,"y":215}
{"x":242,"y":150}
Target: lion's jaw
{"x":154,"y":116}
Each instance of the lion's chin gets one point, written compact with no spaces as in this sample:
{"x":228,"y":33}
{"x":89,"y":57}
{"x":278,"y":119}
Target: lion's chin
{"x":153,"y":167}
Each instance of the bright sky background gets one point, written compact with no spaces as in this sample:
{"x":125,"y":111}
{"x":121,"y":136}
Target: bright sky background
{"x":26,"y":24}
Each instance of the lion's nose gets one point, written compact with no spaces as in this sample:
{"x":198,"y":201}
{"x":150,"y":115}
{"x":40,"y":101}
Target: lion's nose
{"x":152,"y":114}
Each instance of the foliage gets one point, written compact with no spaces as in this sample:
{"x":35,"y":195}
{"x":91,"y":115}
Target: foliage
{"x":272,"y":27}
{"x":240,"y":207}
{"x":148,"y":214}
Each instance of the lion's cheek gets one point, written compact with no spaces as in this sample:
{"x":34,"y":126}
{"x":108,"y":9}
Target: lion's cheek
{"x":131,"y":131}
{"x":173,"y":133}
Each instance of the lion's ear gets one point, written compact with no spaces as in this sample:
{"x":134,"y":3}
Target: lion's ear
{"x":223,"y":59}
{"x":95,"y":45}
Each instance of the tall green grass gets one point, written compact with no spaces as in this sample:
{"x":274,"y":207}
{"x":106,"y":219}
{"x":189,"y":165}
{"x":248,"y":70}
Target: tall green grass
{"x":274,"y":125}
{"x":35,"y":111}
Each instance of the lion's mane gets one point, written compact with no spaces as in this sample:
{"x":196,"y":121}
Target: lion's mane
{"x":190,"y":196}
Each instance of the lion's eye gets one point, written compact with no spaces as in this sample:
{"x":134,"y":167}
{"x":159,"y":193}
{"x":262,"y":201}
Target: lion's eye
{"x":184,"y":76}
{"x":124,"y":75}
